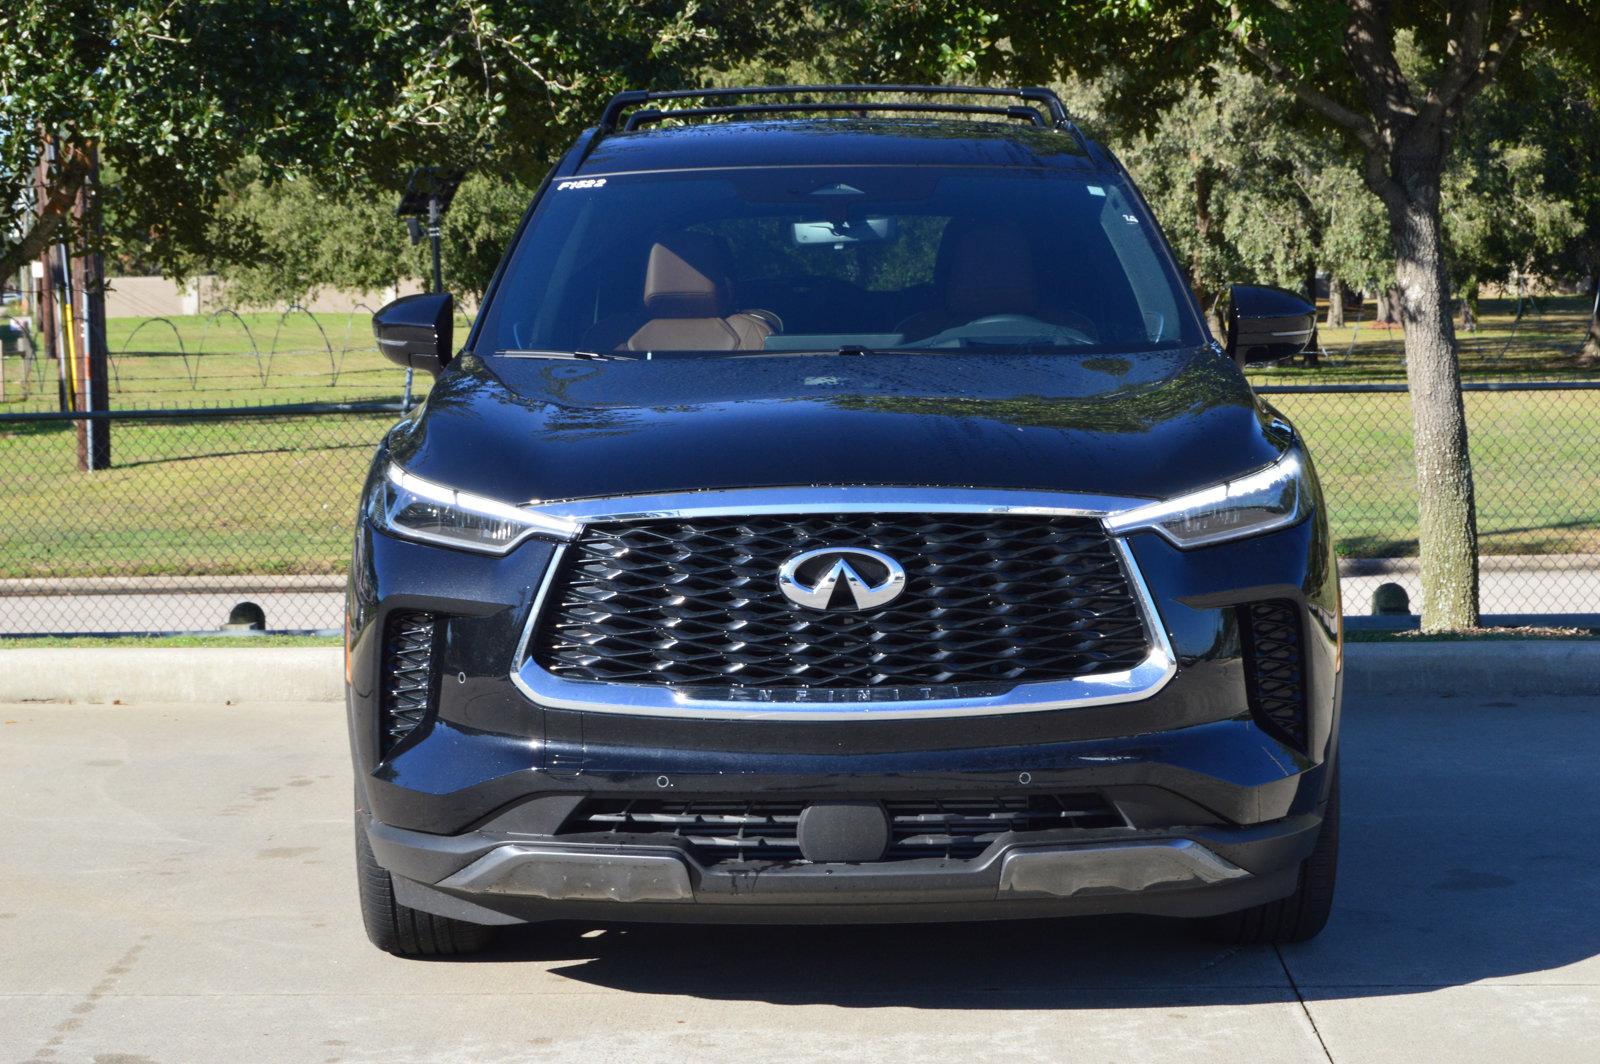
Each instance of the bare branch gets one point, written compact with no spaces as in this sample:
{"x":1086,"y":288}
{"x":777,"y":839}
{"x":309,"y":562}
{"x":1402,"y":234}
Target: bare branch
{"x":1493,"y":59}
{"x":1367,"y":46}
{"x":1465,"y":47}
{"x":1324,"y":105}
{"x":72,"y":168}
{"x":1375,"y":173}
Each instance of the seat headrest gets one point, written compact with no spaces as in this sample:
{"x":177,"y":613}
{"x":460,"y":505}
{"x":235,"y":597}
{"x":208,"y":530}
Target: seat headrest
{"x":687,"y":277}
{"x":986,"y":268}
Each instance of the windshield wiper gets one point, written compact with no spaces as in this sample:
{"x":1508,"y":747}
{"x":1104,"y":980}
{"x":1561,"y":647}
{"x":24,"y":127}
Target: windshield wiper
{"x":582,"y":356}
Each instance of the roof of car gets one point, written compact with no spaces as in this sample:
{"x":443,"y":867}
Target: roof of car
{"x":839,"y":141}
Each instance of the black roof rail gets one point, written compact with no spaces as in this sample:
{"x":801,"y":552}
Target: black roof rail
{"x":1052,"y":104}
{"x":649,"y":115}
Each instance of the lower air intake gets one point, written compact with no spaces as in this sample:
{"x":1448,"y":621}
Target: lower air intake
{"x":766,"y":831}
{"x":408,"y":690}
{"x":1275,"y":673}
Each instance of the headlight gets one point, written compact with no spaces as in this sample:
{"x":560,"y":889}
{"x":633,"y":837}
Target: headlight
{"x":1274,"y":497}
{"x":414,"y":508}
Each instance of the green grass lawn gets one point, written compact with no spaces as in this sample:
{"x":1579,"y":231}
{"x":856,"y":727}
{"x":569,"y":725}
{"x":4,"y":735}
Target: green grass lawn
{"x":248,"y":360}
{"x":239,"y":496}
{"x":1535,"y":460}
{"x":1541,"y":345}
{"x":277,"y":495}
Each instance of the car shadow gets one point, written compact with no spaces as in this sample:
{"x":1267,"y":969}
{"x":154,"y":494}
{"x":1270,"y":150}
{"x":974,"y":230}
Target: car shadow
{"x":1468,"y":855}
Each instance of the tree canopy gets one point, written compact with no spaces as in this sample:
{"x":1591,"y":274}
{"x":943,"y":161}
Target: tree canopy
{"x":178,"y":95}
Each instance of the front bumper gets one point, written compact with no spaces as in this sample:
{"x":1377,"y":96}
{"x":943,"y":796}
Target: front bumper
{"x":467,"y":811}
{"x":497,"y":877}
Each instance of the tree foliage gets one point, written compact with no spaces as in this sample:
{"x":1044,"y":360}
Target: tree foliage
{"x":178,"y":95}
{"x":1392,"y":79}
{"x":170,"y":94}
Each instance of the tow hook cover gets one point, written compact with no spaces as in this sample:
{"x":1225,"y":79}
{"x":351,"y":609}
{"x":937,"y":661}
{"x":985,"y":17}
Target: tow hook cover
{"x":833,"y":832}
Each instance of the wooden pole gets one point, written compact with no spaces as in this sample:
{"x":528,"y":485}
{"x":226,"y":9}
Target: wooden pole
{"x":45,"y":298}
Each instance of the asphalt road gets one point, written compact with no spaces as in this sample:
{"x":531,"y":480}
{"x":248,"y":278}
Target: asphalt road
{"x":175,"y":885}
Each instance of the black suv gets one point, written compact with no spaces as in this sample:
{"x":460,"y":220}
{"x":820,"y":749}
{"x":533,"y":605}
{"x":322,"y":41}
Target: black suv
{"x":839,"y":511}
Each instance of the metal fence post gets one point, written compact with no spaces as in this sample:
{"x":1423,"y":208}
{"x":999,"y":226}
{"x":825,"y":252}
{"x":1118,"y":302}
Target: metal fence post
{"x":94,"y":435}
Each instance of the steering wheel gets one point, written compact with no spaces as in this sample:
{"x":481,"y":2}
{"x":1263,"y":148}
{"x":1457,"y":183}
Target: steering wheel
{"x":1003,"y":326}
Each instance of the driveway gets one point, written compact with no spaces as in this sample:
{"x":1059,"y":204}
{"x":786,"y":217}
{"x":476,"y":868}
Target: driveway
{"x":175,"y":885}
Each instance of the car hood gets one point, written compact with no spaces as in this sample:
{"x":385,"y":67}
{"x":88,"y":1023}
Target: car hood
{"x":1149,"y":424}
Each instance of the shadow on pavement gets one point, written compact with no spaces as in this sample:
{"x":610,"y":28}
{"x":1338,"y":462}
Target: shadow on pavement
{"x":1469,"y":854}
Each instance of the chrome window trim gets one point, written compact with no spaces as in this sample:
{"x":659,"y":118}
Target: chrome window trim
{"x":1130,"y":685}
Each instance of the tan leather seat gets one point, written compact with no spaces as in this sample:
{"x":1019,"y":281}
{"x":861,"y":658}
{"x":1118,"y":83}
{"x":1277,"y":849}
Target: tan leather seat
{"x":687,"y":297}
{"x":982,"y":268}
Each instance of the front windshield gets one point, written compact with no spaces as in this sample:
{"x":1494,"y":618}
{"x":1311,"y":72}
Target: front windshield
{"x":836,"y":258}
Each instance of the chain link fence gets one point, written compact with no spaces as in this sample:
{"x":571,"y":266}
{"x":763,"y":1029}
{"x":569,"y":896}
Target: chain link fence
{"x":199,"y":510}
{"x":203,"y":509}
{"x":213,"y":498}
{"x":1536,"y":468}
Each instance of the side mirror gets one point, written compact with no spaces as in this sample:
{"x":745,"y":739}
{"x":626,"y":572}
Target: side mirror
{"x":1266,"y":324}
{"x":415,"y":331}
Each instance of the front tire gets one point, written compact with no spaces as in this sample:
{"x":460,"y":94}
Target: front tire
{"x":1302,"y":915}
{"x":400,"y":929}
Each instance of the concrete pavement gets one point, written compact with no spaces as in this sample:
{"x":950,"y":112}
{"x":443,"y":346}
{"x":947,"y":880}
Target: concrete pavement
{"x":175,"y":885}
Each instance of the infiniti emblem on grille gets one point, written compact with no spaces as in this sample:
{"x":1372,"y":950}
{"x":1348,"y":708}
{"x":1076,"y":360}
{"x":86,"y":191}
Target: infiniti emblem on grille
{"x":841,"y":578}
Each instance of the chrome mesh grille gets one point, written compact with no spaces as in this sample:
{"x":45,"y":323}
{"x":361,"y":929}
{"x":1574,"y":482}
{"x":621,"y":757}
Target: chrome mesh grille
{"x":990,"y":601}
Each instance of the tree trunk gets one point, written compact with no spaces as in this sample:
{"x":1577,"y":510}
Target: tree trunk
{"x":1213,"y":307}
{"x":1590,"y":353}
{"x":1448,"y":531}
{"x":1382,"y":312}
{"x":1313,"y":355}
{"x":58,"y":190}
{"x":1208,"y":289}
{"x":1335,"y":303}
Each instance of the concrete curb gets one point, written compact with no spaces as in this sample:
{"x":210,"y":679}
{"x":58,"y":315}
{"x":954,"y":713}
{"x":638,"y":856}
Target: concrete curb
{"x":65,"y":586}
{"x":1483,"y":669}
{"x":1491,"y":668}
{"x":177,"y":674}
{"x":1488,"y":563}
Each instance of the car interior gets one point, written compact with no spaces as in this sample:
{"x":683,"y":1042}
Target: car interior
{"x":739,"y":276}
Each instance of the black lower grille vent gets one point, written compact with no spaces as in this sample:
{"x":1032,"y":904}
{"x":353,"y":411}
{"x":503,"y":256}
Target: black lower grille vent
{"x":408,"y":689}
{"x":1274,"y":658}
{"x":949,"y":828}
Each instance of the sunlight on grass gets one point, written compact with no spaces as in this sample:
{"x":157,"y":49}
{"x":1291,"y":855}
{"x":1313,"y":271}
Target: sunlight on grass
{"x":242,"y":495}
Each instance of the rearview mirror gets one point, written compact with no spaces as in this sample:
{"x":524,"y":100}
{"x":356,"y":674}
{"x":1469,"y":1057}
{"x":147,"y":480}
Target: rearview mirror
{"x":415,"y":331}
{"x":1266,"y":324}
{"x":850,"y":231}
